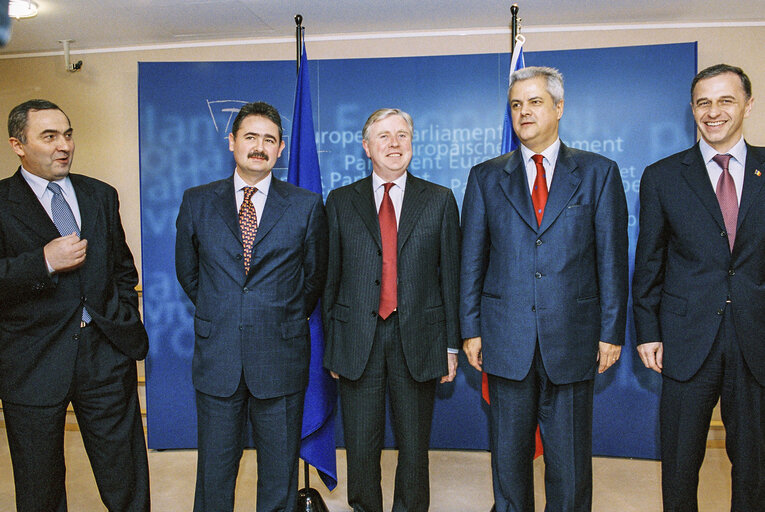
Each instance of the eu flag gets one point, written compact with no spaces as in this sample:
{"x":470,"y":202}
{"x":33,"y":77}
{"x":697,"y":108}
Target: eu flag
{"x":509,"y":139}
{"x":318,"y":437}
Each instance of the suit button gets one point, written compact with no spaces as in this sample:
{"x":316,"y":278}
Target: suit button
{"x":377,"y":282}
{"x":533,"y":308}
{"x":373,"y":313}
{"x":85,"y":299}
{"x":379,"y":252}
{"x":538,"y":275}
{"x":731,"y":272}
{"x":238,"y":257}
{"x":720,"y":311}
{"x":241,"y":328}
{"x":723,"y":234}
{"x":245,"y":290}
{"x":76,"y":337}
{"x":538,"y":242}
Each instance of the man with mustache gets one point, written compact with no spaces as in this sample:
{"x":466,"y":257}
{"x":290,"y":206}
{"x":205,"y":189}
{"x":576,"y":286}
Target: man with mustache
{"x":543,"y":295}
{"x":698,"y":293}
{"x":70,"y":331}
{"x":251,"y":254}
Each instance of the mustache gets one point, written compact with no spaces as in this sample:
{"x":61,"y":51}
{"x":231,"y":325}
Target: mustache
{"x":257,"y":154}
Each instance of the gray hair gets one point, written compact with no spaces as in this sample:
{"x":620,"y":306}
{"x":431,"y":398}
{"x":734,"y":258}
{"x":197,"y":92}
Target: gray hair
{"x":553,"y":77}
{"x":384,"y":113}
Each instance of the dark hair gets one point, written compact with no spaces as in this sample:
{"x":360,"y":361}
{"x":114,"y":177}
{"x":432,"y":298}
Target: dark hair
{"x":719,"y":69}
{"x":258,"y":108}
{"x":17,"y":119}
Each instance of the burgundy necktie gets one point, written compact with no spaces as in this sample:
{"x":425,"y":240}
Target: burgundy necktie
{"x":248,"y":224}
{"x":539,"y":194}
{"x":389,"y":233}
{"x":726,"y":196}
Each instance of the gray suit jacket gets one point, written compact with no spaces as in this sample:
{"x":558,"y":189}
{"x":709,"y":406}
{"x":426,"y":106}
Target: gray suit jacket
{"x":428,"y":277}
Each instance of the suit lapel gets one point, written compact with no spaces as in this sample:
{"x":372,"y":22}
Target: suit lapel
{"x":565,"y":181}
{"x":414,"y":201}
{"x":87,"y":204}
{"x":696,"y":175}
{"x":28,"y":210}
{"x":515,"y":186}
{"x":276,"y":205}
{"x":225,"y":202}
{"x":364,"y":203}
{"x":755,"y":161}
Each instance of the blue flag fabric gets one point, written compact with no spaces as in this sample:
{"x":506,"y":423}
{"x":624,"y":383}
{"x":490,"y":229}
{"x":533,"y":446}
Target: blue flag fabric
{"x":318,"y":437}
{"x":509,"y":139}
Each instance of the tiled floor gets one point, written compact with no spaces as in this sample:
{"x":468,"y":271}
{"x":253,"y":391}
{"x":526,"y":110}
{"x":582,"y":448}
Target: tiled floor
{"x":460,"y":481}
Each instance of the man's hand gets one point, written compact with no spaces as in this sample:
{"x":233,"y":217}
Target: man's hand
{"x":452,"y":368}
{"x":652,"y":355}
{"x":65,"y":253}
{"x":608,"y":354}
{"x":472,"y":348}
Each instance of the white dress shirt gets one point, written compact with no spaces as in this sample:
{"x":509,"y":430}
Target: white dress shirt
{"x":550,"y":157}
{"x":735,"y":165}
{"x":396,"y":193}
{"x":258,"y":198}
{"x":40,"y":188}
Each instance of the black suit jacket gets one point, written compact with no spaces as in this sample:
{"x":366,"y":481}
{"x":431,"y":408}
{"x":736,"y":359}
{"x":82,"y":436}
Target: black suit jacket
{"x":685,"y":271}
{"x":428,"y":277}
{"x":39,"y":314}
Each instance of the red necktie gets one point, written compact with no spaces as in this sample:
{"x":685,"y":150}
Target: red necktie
{"x":389,"y":234}
{"x":248,"y":224}
{"x":726,"y":196}
{"x":539,"y":194}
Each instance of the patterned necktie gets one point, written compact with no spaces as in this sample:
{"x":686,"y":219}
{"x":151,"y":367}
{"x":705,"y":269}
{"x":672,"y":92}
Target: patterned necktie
{"x":389,"y":233}
{"x":248,"y":224}
{"x":726,"y":196}
{"x":539,"y":194}
{"x":65,"y":222}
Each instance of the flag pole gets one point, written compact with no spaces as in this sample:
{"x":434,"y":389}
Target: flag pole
{"x":513,"y":27}
{"x":299,"y":39}
{"x":309,"y":499}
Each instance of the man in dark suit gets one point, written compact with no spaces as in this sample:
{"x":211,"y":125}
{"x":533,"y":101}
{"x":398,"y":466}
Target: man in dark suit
{"x":390,"y":311}
{"x":254,"y":277}
{"x":698,"y":293}
{"x":70,"y":330}
{"x":543,"y":295}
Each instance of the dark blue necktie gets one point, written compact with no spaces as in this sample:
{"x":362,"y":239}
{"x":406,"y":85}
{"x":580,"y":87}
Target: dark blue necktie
{"x":65,"y":222}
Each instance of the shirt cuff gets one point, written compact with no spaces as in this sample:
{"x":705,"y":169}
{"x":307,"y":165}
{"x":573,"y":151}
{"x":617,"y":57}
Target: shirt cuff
{"x":452,"y":351}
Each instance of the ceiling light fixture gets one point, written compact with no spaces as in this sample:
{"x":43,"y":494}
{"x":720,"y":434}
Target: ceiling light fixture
{"x":22,"y":9}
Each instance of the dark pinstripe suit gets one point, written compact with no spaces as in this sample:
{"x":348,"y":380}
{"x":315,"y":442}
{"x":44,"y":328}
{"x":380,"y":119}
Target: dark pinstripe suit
{"x":408,"y":350}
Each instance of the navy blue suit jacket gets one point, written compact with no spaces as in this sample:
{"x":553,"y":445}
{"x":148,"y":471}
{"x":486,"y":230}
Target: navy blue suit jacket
{"x":563,"y":283}
{"x":255,"y":323}
{"x":685,"y":271}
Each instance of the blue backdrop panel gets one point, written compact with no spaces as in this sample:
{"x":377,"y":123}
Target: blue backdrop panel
{"x":630,"y":104}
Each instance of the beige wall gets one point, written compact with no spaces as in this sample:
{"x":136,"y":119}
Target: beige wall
{"x":102,"y":98}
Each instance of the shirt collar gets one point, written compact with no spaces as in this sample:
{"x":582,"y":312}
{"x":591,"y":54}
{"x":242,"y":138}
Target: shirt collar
{"x":550,"y":153}
{"x":738,"y":151}
{"x":378,"y":182}
{"x":263,"y":185}
{"x":40,"y":185}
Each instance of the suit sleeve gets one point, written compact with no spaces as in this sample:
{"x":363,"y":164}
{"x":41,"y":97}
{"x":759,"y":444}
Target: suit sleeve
{"x":315,"y":256}
{"x":611,"y":219}
{"x":333,"y":273}
{"x":475,"y":256}
{"x":450,"y":269}
{"x":22,"y":276}
{"x":124,"y":272}
{"x":187,"y":250}
{"x":650,"y":261}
